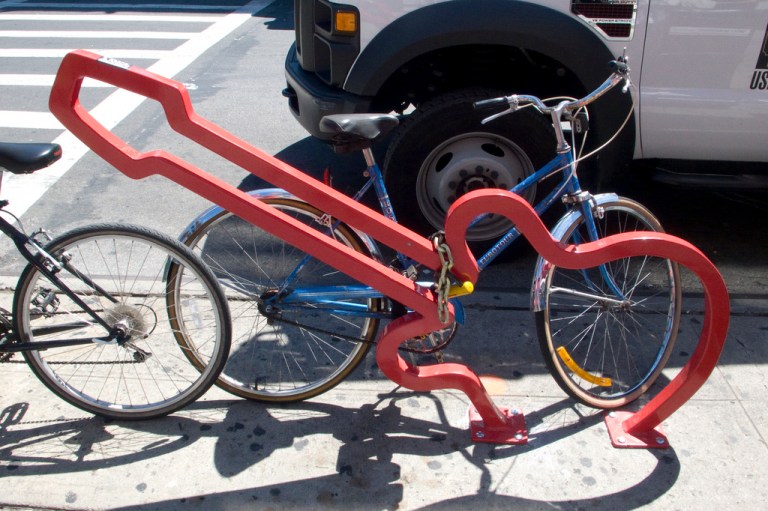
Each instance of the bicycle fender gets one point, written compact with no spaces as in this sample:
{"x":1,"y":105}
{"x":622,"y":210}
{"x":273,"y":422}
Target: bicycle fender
{"x":558,"y":231}
{"x":210,"y":213}
{"x":267,"y":193}
{"x":458,"y":310}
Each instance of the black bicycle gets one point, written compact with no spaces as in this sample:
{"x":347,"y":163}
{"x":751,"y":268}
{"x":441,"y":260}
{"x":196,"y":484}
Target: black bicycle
{"x":109,"y":316}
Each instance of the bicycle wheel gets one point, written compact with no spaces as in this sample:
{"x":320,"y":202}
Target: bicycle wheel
{"x":284,"y":347}
{"x":602,"y":349}
{"x":121,"y":274}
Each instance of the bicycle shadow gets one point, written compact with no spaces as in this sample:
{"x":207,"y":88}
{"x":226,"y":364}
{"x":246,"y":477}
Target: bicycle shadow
{"x":370,"y":436}
{"x":68,"y":445}
{"x":366,"y":475}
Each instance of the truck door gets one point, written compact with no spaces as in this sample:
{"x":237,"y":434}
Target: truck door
{"x":704,"y":83}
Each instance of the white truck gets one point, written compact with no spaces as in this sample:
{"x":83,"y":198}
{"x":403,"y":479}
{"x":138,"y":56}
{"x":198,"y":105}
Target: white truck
{"x":700,"y":70}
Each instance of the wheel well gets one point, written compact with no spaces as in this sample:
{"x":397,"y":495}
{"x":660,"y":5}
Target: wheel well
{"x":516,"y":70}
{"x":508,"y":69}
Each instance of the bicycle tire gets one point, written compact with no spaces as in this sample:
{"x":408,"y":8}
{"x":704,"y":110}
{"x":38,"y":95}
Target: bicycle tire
{"x":607,"y":355}
{"x":148,"y":376}
{"x":287,"y":355}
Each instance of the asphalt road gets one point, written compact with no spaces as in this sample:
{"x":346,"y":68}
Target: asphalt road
{"x":235,"y":79}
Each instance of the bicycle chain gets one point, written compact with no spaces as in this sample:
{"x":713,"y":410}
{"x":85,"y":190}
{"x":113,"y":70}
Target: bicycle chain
{"x":5,"y":329}
{"x":424,"y":351}
{"x":403,"y":347}
{"x":5,"y":358}
{"x":274,"y":317}
{"x":442,"y":285}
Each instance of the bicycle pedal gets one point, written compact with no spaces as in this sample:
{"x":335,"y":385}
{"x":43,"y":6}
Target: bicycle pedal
{"x":411,"y":273}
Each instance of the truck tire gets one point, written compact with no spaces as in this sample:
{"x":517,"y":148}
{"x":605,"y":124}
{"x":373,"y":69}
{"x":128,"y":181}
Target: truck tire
{"x":442,"y":151}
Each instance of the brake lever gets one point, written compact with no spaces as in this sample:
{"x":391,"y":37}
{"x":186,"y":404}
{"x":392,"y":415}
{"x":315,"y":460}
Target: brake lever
{"x":513,"y":105}
{"x":627,"y":84}
{"x":625,"y":74}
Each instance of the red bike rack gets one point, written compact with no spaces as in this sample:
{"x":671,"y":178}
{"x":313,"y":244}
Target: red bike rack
{"x":488,"y":422}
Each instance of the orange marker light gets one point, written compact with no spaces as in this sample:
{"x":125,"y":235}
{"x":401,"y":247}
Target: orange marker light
{"x":345,"y":22}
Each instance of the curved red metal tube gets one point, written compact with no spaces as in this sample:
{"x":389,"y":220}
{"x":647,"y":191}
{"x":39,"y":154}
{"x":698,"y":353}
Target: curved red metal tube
{"x":717,"y":305}
{"x":65,"y":105}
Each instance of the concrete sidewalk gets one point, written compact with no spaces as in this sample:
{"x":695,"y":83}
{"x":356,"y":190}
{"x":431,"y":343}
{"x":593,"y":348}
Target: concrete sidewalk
{"x":371,"y":445}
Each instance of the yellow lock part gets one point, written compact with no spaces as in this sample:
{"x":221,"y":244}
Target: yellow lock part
{"x":465,"y":288}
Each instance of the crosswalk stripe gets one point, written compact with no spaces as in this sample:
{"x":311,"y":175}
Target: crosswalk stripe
{"x":41,"y":81}
{"x":29,"y":120}
{"x":26,"y":190}
{"x":163,"y":18}
{"x":94,"y":34}
{"x":60,"y":52}
{"x":123,"y":6}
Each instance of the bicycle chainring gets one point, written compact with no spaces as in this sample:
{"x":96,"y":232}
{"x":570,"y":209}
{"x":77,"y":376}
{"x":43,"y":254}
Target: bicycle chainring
{"x":6,"y":330}
{"x":431,"y":342}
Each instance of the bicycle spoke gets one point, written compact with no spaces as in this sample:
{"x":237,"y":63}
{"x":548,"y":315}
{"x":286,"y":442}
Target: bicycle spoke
{"x":602,"y":350}
{"x":158,"y":325}
{"x":288,"y":344}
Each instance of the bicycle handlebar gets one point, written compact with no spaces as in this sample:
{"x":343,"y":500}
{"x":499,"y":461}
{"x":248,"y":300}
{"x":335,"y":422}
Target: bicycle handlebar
{"x":619,"y":66}
{"x":491,"y":103}
{"x":620,"y":72}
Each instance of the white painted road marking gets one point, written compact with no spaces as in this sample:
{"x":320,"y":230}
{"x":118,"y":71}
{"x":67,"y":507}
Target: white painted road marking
{"x":60,"y":52}
{"x":28,"y":120}
{"x":41,"y":81}
{"x":94,"y":34}
{"x":122,"y":7}
{"x":164,"y":18}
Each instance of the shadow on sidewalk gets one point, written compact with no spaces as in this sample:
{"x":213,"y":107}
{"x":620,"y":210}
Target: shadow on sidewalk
{"x":366,"y":476}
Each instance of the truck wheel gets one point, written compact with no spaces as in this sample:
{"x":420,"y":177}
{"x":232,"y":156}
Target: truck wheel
{"x":442,"y":151}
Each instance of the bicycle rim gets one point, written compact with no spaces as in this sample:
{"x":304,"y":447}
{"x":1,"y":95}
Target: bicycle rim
{"x":149,"y":376}
{"x":603,"y":350}
{"x":292,"y":352}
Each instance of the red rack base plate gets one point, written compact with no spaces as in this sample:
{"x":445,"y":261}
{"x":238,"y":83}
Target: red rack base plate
{"x":652,"y":439}
{"x":513,"y":432}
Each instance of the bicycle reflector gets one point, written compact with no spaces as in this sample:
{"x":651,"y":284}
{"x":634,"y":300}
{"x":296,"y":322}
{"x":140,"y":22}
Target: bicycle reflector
{"x":584,"y":375}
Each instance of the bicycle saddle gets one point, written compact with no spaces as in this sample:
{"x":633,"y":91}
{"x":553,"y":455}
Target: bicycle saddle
{"x":25,"y":158}
{"x":357,"y":128}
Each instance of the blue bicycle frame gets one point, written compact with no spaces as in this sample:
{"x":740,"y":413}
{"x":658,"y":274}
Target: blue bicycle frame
{"x":569,"y":187}
{"x":331,"y":298}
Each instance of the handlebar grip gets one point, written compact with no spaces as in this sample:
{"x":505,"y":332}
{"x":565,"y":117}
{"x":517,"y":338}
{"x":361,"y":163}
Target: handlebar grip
{"x":491,"y":103}
{"x":618,"y":66}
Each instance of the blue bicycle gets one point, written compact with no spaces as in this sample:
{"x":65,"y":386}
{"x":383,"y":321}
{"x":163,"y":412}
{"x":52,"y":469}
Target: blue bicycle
{"x":300,"y":326}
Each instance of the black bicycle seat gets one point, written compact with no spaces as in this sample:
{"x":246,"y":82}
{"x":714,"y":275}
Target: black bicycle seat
{"x":25,"y":158}
{"x":356,"y":128}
